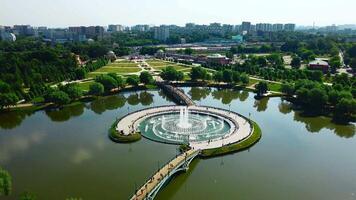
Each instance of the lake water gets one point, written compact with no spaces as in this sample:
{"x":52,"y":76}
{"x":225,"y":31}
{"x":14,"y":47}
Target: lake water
{"x":67,"y":153}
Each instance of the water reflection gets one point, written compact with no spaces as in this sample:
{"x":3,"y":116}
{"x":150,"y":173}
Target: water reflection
{"x":15,"y":144}
{"x":102,"y":104}
{"x":10,"y":120}
{"x":226,"y":96}
{"x":198,"y":93}
{"x":64,"y":114}
{"x":316,"y":124}
{"x":261,"y":105}
{"x":144,"y":98}
{"x":285,"y":107}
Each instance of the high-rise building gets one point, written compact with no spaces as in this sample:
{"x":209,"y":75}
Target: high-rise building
{"x":115,"y":28}
{"x":264,"y":27}
{"x":246,"y":26}
{"x":289,"y":27}
{"x":161,"y":33}
{"x":277,"y":27}
{"x":89,"y":32}
{"x":24,"y":30}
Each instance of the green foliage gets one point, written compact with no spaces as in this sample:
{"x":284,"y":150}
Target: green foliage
{"x":5,"y":182}
{"x":296,"y":62}
{"x":150,"y":50}
{"x":240,"y":146}
{"x":58,"y":97}
{"x":188,"y":51}
{"x":245,"y":79}
{"x":171,"y":74}
{"x":345,"y":109}
{"x":261,"y":88}
{"x":218,"y":76}
{"x":198,"y":73}
{"x":120,"y":81}
{"x":107,"y":81}
{"x":28,"y":196}
{"x":73,"y":90}
{"x":146,"y":77}
{"x":133,"y":80}
{"x":288,"y":88}
{"x":96,"y":89}
{"x":8,"y":99}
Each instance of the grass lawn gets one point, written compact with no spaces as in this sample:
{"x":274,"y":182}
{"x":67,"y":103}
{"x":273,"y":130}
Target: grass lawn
{"x":243,"y":145}
{"x":274,"y":87}
{"x":123,"y":70}
{"x":85,"y":85}
{"x":120,"y":64}
{"x":252,"y":82}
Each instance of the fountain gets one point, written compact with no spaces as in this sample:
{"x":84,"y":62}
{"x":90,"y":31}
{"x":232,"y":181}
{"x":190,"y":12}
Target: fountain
{"x":184,"y":118}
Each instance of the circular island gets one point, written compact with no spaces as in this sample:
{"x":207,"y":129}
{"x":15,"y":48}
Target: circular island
{"x":199,"y":127}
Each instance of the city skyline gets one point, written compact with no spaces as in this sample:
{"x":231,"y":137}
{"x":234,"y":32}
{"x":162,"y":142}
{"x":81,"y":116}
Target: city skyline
{"x":74,"y":13}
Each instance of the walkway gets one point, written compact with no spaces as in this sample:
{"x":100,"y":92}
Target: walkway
{"x":157,"y":181}
{"x":240,"y":127}
{"x":176,"y":93}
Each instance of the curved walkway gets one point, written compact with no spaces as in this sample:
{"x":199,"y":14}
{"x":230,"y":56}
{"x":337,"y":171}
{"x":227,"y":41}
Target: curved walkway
{"x":240,"y":129}
{"x":156,"y":182}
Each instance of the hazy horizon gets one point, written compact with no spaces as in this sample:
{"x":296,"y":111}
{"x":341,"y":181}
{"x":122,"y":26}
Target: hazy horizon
{"x":64,"y":13}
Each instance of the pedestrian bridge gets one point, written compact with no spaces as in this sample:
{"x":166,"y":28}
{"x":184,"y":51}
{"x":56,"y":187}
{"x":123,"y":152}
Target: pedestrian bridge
{"x":150,"y":189}
{"x":177,"y":94}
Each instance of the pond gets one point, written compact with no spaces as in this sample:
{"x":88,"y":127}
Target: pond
{"x":67,"y":153}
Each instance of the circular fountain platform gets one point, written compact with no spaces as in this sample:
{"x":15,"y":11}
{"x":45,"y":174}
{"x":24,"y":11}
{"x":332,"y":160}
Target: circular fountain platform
{"x":200,"y":127}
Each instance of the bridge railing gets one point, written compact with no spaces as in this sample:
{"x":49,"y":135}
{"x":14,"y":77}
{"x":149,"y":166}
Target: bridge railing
{"x":195,"y":153}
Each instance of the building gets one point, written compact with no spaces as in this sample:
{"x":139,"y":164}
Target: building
{"x":24,"y":30}
{"x":6,"y":36}
{"x":89,"y":32}
{"x":319,"y":64}
{"x":238,"y":38}
{"x":277,"y":27}
{"x":141,"y":28}
{"x":217,"y":59}
{"x":161,"y":33}
{"x":246,"y":27}
{"x":264,"y":27}
{"x":289,"y":27}
{"x":116,"y":28}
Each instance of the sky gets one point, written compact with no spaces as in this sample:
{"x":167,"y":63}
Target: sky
{"x":64,"y":13}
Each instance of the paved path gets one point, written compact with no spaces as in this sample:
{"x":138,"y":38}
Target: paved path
{"x":165,"y":171}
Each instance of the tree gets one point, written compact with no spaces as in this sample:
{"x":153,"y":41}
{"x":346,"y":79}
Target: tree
{"x":261,"y":88}
{"x":236,"y":77}
{"x":96,"y":89}
{"x":80,"y":73}
{"x":261,"y":61}
{"x":28,"y":196}
{"x":146,"y":77}
{"x":8,"y":99}
{"x":58,"y":97}
{"x":133,"y":80}
{"x":345,"y":109}
{"x":296,"y":62}
{"x":227,"y":76}
{"x":107,"y":81}
{"x":218,"y":76}
{"x":244,"y":79}
{"x":171,"y":74}
{"x":5,"y":183}
{"x":73,"y":90}
{"x":120,"y":81}
{"x":198,"y":73}
{"x":335,"y":63}
{"x":287,"y":88}
{"x":317,"y":99}
{"x":188,"y":51}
